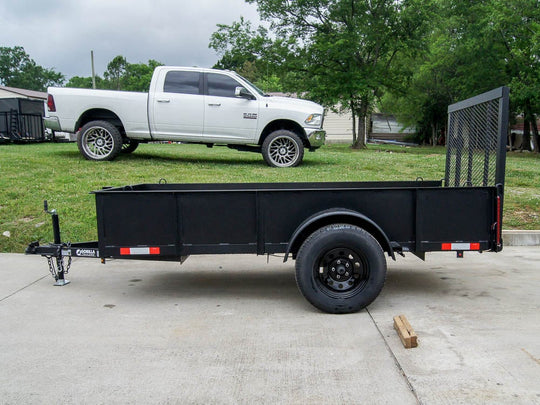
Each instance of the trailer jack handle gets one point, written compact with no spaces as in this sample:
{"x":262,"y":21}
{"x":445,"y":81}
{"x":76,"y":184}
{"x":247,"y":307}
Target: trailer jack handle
{"x":58,"y":271}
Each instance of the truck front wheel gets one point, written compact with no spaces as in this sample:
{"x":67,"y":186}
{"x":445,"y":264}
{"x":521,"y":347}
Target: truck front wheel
{"x":340,"y":268}
{"x":99,"y":140}
{"x":283,"y":148}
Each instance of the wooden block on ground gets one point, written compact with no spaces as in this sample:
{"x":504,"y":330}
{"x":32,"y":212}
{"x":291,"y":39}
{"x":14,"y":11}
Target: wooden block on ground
{"x":405,"y":332}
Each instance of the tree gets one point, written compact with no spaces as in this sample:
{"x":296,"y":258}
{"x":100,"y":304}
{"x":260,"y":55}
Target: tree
{"x":84,"y":82}
{"x":120,"y":75}
{"x":516,"y":25}
{"x":340,"y":52}
{"x":250,"y":52}
{"x":116,"y":69}
{"x":462,"y":60}
{"x":17,"y":69}
{"x":137,"y":76}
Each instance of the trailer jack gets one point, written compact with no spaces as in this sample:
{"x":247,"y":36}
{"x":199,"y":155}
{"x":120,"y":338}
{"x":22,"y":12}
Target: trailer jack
{"x":55,"y":252}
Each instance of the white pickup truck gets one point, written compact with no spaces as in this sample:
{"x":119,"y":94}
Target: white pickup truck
{"x":190,"y":105}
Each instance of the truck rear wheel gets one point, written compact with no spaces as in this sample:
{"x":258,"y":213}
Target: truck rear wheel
{"x":99,"y":140}
{"x":129,"y":145}
{"x":283,"y":148}
{"x":340,"y":268}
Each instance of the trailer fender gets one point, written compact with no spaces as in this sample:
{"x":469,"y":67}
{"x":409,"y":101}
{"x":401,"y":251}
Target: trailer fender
{"x":333,"y":216}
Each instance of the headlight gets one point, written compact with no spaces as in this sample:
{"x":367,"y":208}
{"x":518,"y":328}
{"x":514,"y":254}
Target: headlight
{"x":314,"y":120}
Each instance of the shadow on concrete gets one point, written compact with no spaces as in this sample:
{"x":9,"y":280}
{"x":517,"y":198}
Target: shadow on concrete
{"x":220,"y":283}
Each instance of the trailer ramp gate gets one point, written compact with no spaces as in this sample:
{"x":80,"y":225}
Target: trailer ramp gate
{"x":476,"y":140}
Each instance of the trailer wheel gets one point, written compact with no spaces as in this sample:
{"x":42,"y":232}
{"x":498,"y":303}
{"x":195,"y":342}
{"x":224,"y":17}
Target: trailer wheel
{"x":283,"y":148}
{"x":340,"y":268}
{"x":99,"y":140}
{"x":129,"y":145}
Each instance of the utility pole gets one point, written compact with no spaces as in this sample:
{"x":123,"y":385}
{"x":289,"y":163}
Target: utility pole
{"x":93,"y":71}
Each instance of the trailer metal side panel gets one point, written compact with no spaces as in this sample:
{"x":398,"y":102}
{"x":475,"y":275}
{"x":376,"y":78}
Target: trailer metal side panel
{"x":181,"y":220}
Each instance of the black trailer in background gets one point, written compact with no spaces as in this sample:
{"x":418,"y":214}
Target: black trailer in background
{"x":337,"y":232}
{"x":21,"y":120}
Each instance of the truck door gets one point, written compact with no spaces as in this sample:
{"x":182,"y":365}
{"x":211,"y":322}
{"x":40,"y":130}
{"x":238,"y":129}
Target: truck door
{"x":228,"y":118}
{"x":177,"y":106}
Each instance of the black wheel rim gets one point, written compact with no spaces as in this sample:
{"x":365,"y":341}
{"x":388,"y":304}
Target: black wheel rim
{"x":341,"y":272}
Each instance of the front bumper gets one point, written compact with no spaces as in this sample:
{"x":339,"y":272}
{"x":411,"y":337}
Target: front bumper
{"x":316,"y":138}
{"x":52,"y":123}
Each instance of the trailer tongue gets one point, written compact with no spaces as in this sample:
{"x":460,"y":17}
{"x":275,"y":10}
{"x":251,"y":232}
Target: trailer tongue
{"x":337,"y":232}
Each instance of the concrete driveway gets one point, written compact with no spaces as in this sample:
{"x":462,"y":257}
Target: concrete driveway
{"x":234,"y":329}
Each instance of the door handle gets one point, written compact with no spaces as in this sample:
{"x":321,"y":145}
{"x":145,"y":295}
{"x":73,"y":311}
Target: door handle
{"x":163,"y":100}
{"x":214,"y":105}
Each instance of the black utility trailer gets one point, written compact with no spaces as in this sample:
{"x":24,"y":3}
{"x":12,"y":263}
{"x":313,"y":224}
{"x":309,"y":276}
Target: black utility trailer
{"x":337,"y":232}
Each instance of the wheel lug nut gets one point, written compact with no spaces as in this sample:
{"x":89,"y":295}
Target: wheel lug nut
{"x":338,"y":262}
{"x":338,"y":276}
{"x":347,"y":265}
{"x":347,"y":274}
{"x":333,"y":269}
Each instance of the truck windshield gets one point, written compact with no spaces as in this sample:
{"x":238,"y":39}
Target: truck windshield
{"x":262,"y":93}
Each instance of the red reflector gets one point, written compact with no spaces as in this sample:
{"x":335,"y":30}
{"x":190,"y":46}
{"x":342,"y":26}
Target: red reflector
{"x":475,"y":246}
{"x":131,"y":251}
{"x":446,"y":246}
{"x":50,"y":103}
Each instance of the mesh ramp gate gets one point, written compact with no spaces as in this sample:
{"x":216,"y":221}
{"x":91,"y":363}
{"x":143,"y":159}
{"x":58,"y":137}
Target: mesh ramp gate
{"x":476,"y":140}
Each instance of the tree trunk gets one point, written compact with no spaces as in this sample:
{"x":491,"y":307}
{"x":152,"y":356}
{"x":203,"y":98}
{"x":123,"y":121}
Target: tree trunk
{"x":534,"y":136}
{"x":354,"y":134}
{"x":360,"y":141}
{"x":526,"y":137}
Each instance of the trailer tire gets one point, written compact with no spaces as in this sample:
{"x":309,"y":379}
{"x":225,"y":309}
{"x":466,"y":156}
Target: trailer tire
{"x":340,"y":268}
{"x":283,"y":148}
{"x":129,"y":145}
{"x":99,"y":140}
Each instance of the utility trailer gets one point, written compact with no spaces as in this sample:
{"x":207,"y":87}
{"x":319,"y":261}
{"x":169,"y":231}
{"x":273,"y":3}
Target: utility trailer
{"x":337,"y":232}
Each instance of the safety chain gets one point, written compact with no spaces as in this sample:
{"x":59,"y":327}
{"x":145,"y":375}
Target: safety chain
{"x":50,"y":260}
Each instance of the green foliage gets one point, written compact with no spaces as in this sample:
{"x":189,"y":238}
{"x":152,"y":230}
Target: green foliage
{"x":250,"y":52}
{"x":337,"y":52}
{"x":120,"y":75}
{"x":84,"y":82}
{"x":17,"y":69}
{"x":116,"y":70}
{"x":473,"y":47}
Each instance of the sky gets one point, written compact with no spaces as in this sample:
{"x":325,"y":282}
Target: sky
{"x":60,"y":34}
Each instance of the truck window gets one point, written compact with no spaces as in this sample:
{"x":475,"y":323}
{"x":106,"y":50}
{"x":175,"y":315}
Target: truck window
{"x":181,"y":82}
{"x":221,"y":85}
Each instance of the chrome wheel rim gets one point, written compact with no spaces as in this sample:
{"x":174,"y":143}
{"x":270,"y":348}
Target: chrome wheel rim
{"x":283,"y":151}
{"x":98,"y":142}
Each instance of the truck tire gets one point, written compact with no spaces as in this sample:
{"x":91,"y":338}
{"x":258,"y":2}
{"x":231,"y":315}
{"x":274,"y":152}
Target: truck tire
{"x":99,"y":140}
{"x":283,"y":148}
{"x":129,"y":145}
{"x":340,"y":268}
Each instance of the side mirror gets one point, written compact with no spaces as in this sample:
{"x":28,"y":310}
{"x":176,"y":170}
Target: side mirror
{"x":242,"y":92}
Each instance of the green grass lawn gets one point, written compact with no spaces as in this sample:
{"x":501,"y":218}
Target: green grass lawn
{"x":58,"y":173}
